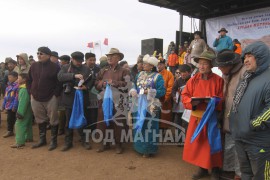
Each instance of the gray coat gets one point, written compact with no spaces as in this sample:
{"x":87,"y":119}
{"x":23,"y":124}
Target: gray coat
{"x":251,"y":122}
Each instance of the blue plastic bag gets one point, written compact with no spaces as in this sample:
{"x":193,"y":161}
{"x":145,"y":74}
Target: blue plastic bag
{"x":142,"y":110}
{"x":214,"y":137}
{"x":77,"y":119}
{"x":107,"y":105}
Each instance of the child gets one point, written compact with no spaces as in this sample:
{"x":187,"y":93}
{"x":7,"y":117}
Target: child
{"x":24,"y":114}
{"x":10,"y":103}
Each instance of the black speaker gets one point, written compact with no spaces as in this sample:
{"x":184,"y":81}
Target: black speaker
{"x":185,"y":37}
{"x":151,"y":45}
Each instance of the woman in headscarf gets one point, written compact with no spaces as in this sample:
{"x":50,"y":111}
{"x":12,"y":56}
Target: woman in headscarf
{"x":203,"y":84}
{"x":148,"y":88}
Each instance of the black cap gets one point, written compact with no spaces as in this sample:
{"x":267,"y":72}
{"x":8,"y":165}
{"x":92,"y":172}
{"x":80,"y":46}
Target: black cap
{"x":65,"y":58}
{"x":45,"y":50}
{"x":78,"y":56}
{"x":55,"y":54}
{"x":88,"y":55}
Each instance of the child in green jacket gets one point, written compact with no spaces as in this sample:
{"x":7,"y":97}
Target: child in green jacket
{"x":23,"y":126}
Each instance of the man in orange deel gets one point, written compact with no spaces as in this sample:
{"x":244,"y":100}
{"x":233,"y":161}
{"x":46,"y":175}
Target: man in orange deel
{"x":173,"y":61}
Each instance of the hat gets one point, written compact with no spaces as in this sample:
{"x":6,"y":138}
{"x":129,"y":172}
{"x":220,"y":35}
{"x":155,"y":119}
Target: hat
{"x":150,"y":60}
{"x":208,"y":55}
{"x":24,"y":56}
{"x":88,"y":55}
{"x":115,"y":51}
{"x":78,"y":56}
{"x":45,"y":50}
{"x":222,"y":29}
{"x":163,"y":61}
{"x":64,"y":58}
{"x":12,"y":61}
{"x":55,"y":54}
{"x":226,"y":57}
{"x":8,"y":59}
{"x":103,"y":58}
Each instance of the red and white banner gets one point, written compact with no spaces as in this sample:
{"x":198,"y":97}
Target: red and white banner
{"x":247,"y":27}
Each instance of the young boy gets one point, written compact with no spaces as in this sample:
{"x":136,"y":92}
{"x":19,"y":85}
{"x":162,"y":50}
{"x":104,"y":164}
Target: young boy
{"x":24,"y":114}
{"x":10,"y":103}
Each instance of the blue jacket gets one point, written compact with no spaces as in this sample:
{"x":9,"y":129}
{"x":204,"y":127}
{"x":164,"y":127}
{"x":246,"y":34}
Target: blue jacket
{"x":224,"y":42}
{"x":11,"y":96}
{"x":251,"y":123}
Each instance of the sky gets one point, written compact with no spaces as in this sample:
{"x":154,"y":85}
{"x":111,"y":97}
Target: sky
{"x":66,"y":26}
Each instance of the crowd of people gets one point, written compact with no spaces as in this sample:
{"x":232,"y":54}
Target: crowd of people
{"x":227,"y":128}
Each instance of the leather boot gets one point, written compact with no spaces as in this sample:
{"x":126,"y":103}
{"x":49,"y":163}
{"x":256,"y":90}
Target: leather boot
{"x":54,"y":132}
{"x":42,"y":136}
{"x":200,"y":173}
{"x":68,"y":140}
{"x":119,"y":148}
{"x":215,"y":173}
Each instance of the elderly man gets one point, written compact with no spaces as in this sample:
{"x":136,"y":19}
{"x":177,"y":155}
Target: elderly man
{"x":45,"y":89}
{"x":249,"y":116}
{"x":223,"y":41}
{"x":113,"y":75}
{"x":232,"y":69}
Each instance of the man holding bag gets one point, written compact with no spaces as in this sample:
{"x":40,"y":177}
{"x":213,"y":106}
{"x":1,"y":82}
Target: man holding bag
{"x":70,"y":75}
{"x":114,"y":75}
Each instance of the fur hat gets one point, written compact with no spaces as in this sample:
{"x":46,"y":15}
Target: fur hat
{"x":150,"y":60}
{"x":115,"y":51}
{"x":226,"y":57}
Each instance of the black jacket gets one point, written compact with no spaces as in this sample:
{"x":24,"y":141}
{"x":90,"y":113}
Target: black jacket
{"x":66,"y":77}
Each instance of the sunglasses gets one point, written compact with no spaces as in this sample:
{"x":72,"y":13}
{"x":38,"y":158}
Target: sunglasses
{"x":39,"y":53}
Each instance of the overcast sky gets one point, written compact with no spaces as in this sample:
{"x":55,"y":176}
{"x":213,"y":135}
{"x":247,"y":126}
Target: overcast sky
{"x":66,"y":26}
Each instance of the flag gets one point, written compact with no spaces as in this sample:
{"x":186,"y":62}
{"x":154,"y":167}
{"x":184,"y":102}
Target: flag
{"x":106,"y":42}
{"x":97,"y":44}
{"x":90,"y":45}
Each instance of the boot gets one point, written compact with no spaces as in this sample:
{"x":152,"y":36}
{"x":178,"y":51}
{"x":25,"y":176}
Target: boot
{"x":119,"y":148}
{"x":53,"y":144}
{"x":85,"y":144}
{"x":200,"y":173}
{"x":103,"y":147}
{"x":17,"y":146}
{"x":215,"y":173}
{"x":8,"y":134}
{"x":42,"y":136}
{"x":68,"y":140}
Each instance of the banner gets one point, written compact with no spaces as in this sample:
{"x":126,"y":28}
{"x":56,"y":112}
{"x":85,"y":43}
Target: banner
{"x":247,"y":27}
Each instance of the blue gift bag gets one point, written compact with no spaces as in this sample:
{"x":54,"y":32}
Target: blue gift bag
{"x":107,"y":105}
{"x":77,"y":119}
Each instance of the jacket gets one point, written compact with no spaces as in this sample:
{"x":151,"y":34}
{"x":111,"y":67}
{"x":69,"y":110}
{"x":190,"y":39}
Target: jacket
{"x":224,"y":42}
{"x":230,"y":83}
{"x":251,"y":122}
{"x":168,"y":83}
{"x":173,"y":59}
{"x":67,"y":77}
{"x":43,"y":82}
{"x":11,"y":96}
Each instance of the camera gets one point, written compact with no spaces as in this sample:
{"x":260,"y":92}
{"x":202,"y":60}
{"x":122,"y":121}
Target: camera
{"x":67,"y":88}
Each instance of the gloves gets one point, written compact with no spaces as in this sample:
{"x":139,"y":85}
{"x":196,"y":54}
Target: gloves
{"x":151,"y":94}
{"x":18,"y":116}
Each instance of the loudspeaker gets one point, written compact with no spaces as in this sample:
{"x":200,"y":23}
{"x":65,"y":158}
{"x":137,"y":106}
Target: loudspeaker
{"x":185,"y":37}
{"x":151,"y":45}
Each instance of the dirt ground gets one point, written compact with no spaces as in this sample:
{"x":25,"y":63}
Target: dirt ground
{"x":79,"y":163}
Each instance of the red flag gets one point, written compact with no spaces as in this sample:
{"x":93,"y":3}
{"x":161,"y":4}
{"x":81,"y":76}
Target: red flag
{"x":106,"y":42}
{"x":90,"y":45}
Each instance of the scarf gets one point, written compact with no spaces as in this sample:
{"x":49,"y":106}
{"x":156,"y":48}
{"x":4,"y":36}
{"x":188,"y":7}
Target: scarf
{"x":241,"y":90}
